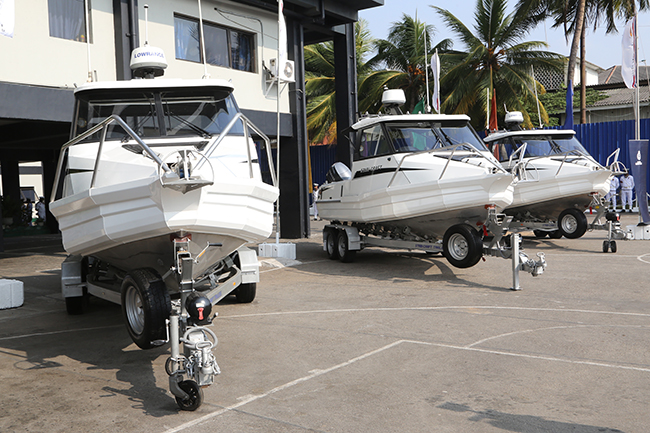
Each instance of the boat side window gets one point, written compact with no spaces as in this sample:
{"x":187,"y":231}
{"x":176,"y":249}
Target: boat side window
{"x":566,"y":144}
{"x":458,"y":134}
{"x":371,"y":142}
{"x":502,"y":149}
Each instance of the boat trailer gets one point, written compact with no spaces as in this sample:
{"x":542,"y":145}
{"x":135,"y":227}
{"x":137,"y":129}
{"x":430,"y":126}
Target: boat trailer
{"x":154,"y":319}
{"x":461,"y":245}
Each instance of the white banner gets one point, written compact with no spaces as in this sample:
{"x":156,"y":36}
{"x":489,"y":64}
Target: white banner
{"x":282,"y":36}
{"x":7,"y":18}
{"x":435,"y":68}
{"x":628,"y":67}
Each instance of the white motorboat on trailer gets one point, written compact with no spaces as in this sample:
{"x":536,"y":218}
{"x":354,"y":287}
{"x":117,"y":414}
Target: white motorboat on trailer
{"x":421,"y":177}
{"x":156,"y":194}
{"x":559,"y":179}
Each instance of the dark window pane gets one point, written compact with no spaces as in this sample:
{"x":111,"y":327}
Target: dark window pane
{"x":187,"y":39}
{"x":216,"y":45}
{"x":67,"y":19}
{"x":241,"y":51}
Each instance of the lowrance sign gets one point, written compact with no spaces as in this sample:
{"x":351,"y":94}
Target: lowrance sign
{"x":148,"y":57}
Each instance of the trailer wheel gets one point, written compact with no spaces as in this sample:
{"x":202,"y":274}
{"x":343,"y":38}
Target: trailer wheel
{"x":605,"y":246}
{"x":245,"y":293}
{"x":195,"y":398}
{"x":572,"y":223}
{"x":462,"y":246}
{"x":612,"y":246}
{"x":330,"y":243}
{"x":345,"y":254}
{"x":540,"y":233}
{"x":145,"y":306}
{"x":555,"y":234}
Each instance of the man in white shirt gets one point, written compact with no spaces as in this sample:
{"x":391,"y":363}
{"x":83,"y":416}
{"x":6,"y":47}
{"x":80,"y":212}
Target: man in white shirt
{"x":627,"y":186}
{"x":611,"y":195}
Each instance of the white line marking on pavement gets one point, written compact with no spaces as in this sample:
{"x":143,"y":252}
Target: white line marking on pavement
{"x":251,"y":398}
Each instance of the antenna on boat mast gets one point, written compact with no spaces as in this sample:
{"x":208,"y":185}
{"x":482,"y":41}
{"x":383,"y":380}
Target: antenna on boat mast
{"x":146,"y":61}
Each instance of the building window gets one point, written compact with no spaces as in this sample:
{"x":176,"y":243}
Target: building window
{"x":67,"y":19}
{"x":223,"y":46}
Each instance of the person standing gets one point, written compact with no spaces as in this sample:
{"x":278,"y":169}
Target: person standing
{"x":627,"y":186}
{"x":611,"y":195}
{"x":40,"y":209}
{"x":314,"y":196}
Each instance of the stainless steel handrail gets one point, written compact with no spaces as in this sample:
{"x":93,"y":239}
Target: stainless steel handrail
{"x":102,"y":126}
{"x":452,"y":148}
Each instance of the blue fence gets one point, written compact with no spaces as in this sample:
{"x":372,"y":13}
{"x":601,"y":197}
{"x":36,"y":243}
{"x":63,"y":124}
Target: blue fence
{"x":600,"y":140}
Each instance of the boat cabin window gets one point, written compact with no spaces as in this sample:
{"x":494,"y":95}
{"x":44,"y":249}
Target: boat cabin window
{"x":537,"y":145}
{"x":371,"y":142}
{"x":157,"y":113}
{"x":431,"y":135}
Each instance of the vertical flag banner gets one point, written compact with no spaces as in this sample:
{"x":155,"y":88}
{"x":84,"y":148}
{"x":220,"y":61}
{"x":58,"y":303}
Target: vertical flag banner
{"x":435,"y":68}
{"x":282,"y":36}
{"x":568,"y":122}
{"x":628,"y":67}
{"x":639,"y":169}
{"x":7,"y":18}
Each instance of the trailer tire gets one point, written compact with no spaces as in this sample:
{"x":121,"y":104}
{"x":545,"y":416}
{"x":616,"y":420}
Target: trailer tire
{"x":612,"y":246}
{"x":344,"y":252}
{"x":245,"y":293}
{"x":572,"y":223}
{"x":145,"y":307}
{"x":331,"y":243}
{"x":555,"y":234}
{"x":195,"y":393}
{"x":462,"y":246}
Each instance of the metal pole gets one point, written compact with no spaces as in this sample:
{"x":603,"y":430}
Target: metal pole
{"x":426,"y":67}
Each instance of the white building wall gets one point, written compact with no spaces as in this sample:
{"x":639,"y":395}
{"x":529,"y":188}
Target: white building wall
{"x":250,"y":87}
{"x":33,"y":57}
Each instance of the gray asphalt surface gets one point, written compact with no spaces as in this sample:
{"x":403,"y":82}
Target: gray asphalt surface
{"x":397,"y":341}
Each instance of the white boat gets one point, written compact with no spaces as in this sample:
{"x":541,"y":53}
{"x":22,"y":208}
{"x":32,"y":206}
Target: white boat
{"x":419,"y":175}
{"x":156,"y":196}
{"x":559,"y":179}
{"x":121,"y":197}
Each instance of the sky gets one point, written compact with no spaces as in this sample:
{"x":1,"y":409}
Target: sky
{"x":602,"y":50}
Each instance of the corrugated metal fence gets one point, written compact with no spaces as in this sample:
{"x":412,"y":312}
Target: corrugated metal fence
{"x":600,"y":140}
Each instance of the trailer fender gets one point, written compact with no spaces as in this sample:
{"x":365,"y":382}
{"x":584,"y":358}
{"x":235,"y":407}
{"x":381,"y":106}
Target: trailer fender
{"x":250,"y":267}
{"x":72,"y":283}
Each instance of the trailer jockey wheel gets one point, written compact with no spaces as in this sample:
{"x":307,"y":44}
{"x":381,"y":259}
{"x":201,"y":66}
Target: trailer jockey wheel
{"x":572,"y":223}
{"x":195,"y":396}
{"x":462,"y":246}
{"x":145,"y":306}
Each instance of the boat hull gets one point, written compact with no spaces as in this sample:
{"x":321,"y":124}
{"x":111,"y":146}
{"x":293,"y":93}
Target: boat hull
{"x":427,"y":208}
{"x":129,"y":225}
{"x":549,"y":192}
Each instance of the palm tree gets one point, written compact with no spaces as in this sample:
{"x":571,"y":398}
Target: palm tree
{"x":320,"y":83}
{"x":577,"y":15}
{"x":405,"y":66}
{"x":496,"y":57}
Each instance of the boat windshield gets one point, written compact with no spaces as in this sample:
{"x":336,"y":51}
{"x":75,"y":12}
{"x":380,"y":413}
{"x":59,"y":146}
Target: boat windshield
{"x":157,"y":113}
{"x":537,"y":145}
{"x":431,"y":135}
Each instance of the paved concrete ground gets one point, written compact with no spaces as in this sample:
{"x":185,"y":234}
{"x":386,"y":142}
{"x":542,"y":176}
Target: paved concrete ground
{"x":395,"y":342}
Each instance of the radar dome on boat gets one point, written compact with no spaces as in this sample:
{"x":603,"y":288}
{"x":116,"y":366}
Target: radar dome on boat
{"x":148,"y":62}
{"x":392,"y":97}
{"x":514,"y":117}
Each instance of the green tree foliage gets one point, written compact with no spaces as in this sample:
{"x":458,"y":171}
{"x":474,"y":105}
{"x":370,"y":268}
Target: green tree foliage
{"x":403,"y":64}
{"x":555,"y":104}
{"x":497,"y":57}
